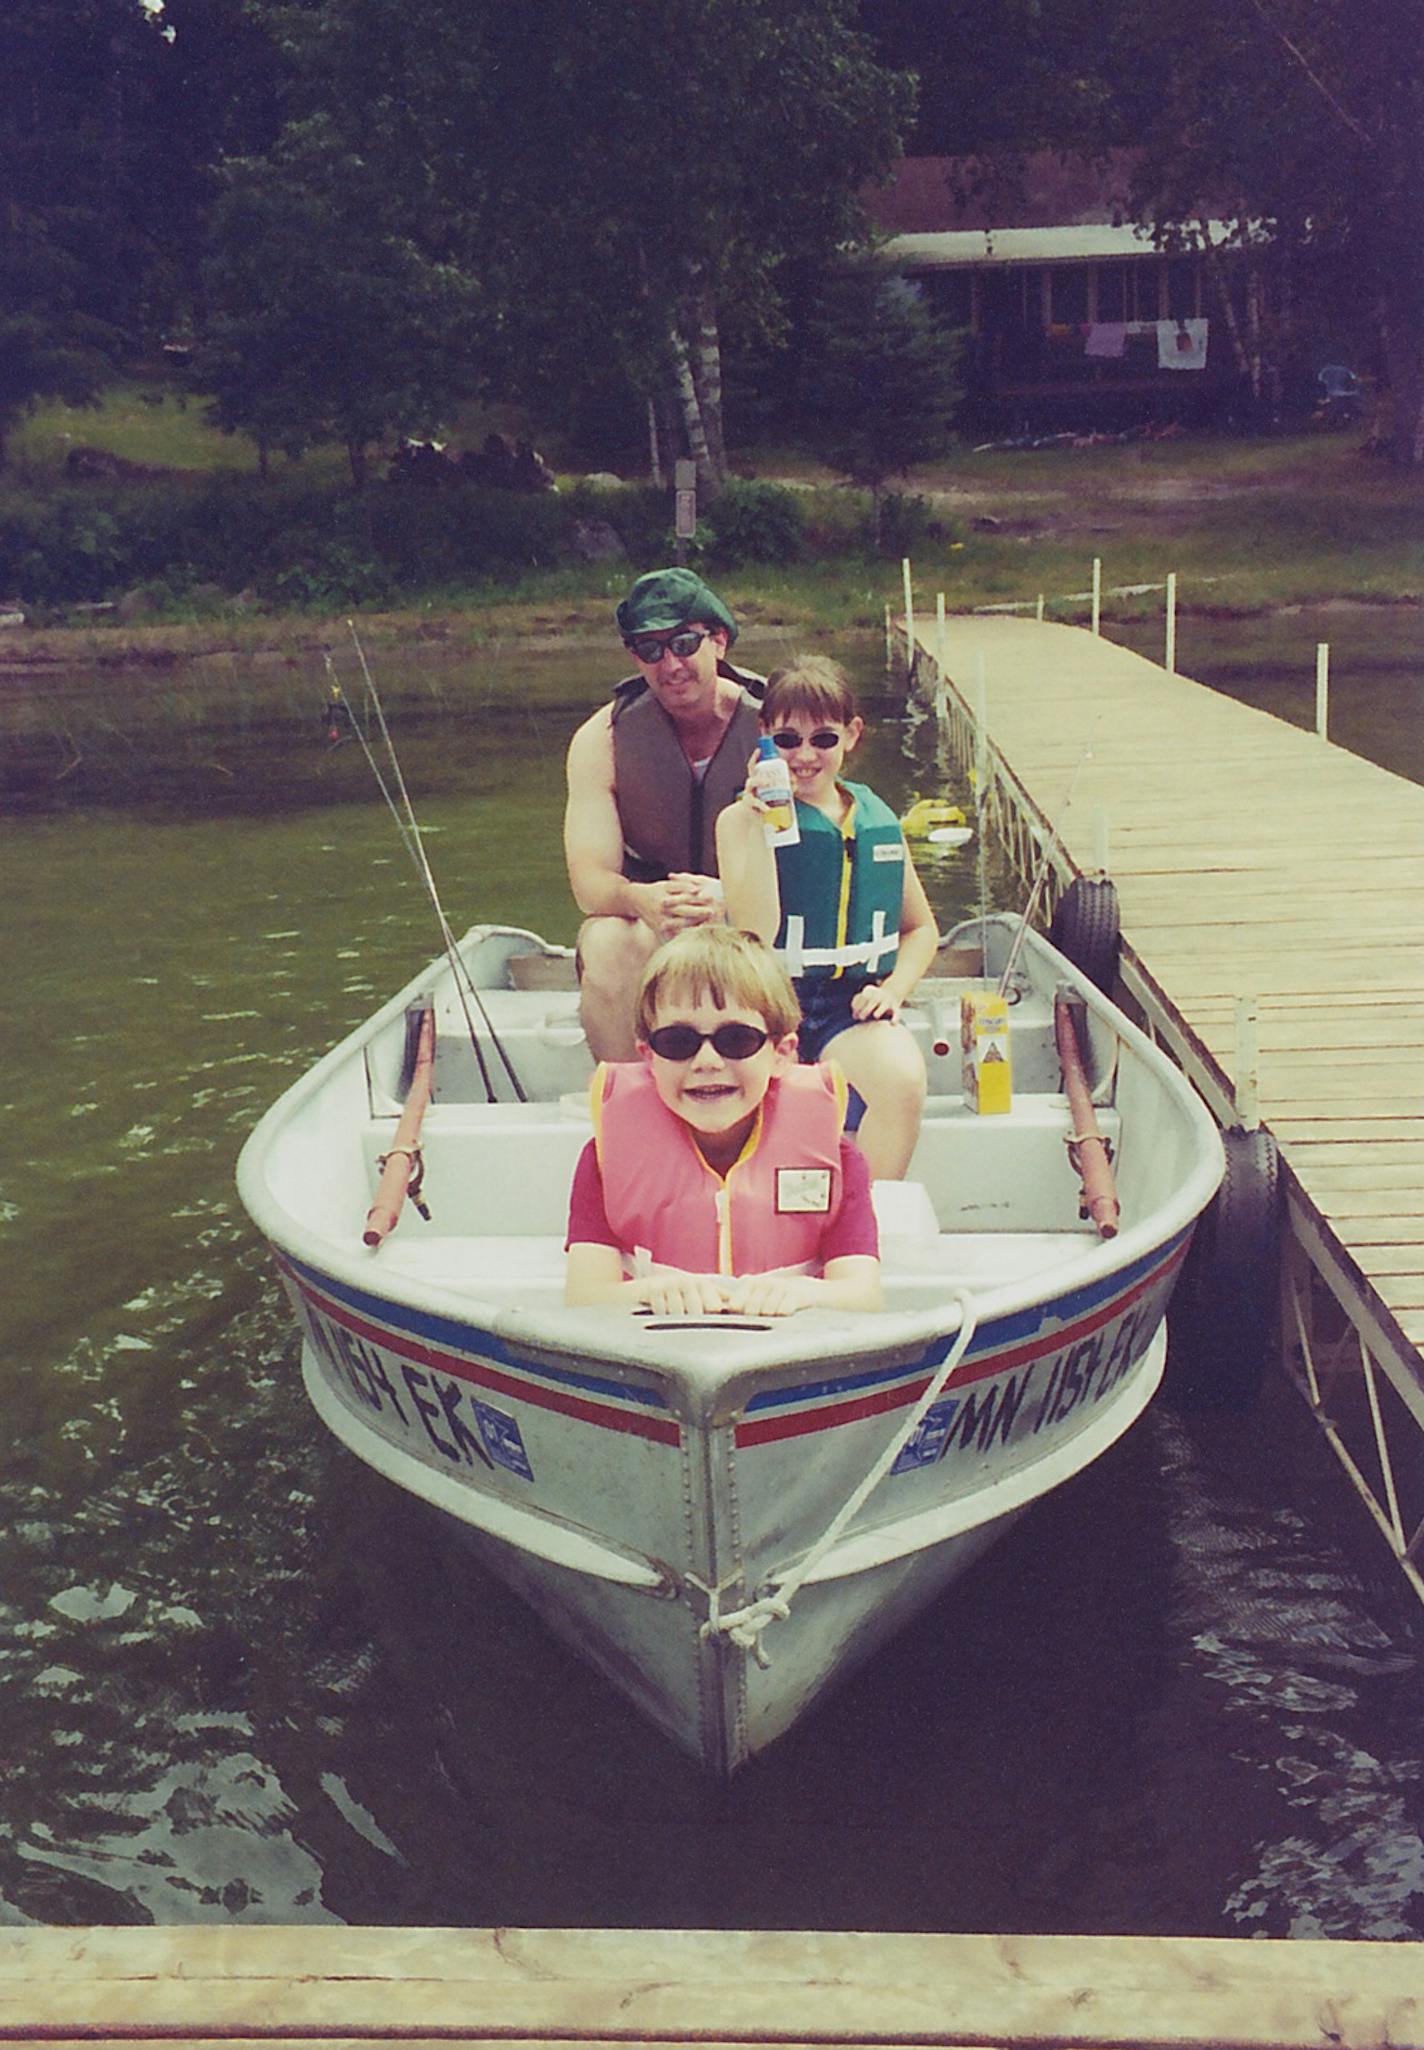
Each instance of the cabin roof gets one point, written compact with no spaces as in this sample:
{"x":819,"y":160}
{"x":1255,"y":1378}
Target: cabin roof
{"x":1042,"y":189}
{"x":1042,"y":207}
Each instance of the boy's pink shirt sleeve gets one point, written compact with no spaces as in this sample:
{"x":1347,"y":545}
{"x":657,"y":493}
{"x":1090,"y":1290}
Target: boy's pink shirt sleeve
{"x":853,"y":1230}
{"x":588,"y":1219}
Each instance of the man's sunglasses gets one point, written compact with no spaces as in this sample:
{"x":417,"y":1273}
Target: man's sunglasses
{"x":822,"y":738}
{"x":732,"y":1041}
{"x":652,"y":647}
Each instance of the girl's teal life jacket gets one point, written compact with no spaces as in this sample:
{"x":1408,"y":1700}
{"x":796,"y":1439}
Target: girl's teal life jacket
{"x":842,"y":894}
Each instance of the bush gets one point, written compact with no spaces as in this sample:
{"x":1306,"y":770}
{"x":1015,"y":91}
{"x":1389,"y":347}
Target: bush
{"x":63,"y":549}
{"x":907,"y":523}
{"x":751,"y":522}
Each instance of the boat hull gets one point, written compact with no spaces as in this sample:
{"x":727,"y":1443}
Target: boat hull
{"x":539,"y":1461}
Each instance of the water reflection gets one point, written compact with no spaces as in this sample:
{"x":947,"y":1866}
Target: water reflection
{"x":247,"y":1680}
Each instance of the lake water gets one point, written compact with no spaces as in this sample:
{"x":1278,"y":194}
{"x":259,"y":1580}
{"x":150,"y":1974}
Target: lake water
{"x":246,"y":1680}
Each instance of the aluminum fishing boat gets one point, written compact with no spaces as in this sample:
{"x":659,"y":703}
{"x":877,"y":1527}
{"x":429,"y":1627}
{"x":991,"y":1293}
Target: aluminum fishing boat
{"x":724,"y":1514}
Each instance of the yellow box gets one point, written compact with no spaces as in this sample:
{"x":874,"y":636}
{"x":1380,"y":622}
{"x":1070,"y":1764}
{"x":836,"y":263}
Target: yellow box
{"x":984,"y":1043}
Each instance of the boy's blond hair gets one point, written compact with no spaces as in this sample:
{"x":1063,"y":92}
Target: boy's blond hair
{"x":733,"y":970}
{"x":812,"y":684}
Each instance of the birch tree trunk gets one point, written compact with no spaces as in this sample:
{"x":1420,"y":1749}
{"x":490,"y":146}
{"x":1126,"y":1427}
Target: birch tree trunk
{"x":693,"y":425}
{"x":655,"y":457}
{"x":706,"y":364}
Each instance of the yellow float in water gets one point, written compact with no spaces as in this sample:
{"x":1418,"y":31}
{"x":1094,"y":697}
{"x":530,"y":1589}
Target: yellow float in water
{"x":927,"y":814}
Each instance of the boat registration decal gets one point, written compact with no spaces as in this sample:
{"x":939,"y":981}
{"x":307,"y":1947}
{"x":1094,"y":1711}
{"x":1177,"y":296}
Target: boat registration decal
{"x":997,"y":1347}
{"x":484,"y":1361}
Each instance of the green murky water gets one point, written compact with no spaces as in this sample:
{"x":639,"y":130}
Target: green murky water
{"x":246,"y":1680}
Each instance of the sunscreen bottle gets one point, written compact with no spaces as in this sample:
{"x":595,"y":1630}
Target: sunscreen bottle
{"x":772,"y":782}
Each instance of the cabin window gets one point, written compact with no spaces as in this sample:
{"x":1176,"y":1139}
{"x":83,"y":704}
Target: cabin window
{"x":1130,"y":291}
{"x":1114,"y":291}
{"x":1183,"y":288}
{"x":1028,"y":297}
{"x":1068,"y":295}
{"x":951,"y":294}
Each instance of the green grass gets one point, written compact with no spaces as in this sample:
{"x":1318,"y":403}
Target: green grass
{"x":1245,"y":524}
{"x":144,"y":422}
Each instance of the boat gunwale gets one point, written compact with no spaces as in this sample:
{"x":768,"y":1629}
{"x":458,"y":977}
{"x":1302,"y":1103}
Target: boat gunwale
{"x":609,"y":1336}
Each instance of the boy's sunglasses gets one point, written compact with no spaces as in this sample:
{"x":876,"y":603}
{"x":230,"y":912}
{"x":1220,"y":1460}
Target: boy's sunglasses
{"x":822,"y":738}
{"x":652,"y":647}
{"x":732,"y":1041}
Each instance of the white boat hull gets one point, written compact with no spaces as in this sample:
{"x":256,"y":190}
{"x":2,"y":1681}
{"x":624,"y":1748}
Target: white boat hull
{"x":641,"y":1481}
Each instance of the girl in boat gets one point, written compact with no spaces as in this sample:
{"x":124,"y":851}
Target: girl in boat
{"x":844,"y":906}
{"x":718,"y":1172}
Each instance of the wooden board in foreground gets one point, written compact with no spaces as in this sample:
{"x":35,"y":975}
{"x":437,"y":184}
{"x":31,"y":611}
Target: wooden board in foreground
{"x":548,"y":1986}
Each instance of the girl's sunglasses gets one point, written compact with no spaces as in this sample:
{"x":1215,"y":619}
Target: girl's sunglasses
{"x":652,"y":647}
{"x":734,"y":1042}
{"x":822,"y":738}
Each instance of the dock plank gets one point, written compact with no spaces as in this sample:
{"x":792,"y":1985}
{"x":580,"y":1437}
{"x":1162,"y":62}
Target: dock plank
{"x":337,"y":1985}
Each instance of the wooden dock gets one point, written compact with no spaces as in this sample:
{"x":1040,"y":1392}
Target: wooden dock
{"x":1271,"y":889}
{"x":339,"y":1986}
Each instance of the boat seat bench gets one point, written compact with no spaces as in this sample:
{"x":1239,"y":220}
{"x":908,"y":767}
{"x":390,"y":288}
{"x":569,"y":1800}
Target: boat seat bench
{"x":504,"y":1170}
{"x":529,"y":1271}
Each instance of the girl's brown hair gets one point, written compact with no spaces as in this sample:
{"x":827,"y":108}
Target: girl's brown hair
{"x":809,"y":684}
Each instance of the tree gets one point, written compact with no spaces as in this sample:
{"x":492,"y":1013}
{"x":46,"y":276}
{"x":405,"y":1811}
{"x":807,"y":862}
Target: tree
{"x":884,"y":386}
{"x":625,"y":181}
{"x":326,"y":321}
{"x":1309,"y":120}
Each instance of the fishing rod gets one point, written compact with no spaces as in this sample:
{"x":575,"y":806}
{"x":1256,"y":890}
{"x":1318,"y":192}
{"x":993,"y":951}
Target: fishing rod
{"x":408,"y":826}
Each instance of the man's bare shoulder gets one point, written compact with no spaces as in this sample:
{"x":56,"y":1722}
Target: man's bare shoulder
{"x":592,"y":743}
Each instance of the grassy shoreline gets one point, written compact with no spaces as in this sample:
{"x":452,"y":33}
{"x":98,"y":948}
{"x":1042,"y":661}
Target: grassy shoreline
{"x":1248,"y":526}
{"x":478,"y":626}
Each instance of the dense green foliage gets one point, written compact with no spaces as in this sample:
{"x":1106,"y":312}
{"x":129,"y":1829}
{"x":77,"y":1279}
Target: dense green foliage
{"x":883,"y":389}
{"x":292,"y":541}
{"x":626,"y":187}
{"x":328,"y":323}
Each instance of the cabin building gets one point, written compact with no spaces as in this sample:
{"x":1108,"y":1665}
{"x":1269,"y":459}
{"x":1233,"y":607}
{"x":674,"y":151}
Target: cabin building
{"x":1074,"y":313}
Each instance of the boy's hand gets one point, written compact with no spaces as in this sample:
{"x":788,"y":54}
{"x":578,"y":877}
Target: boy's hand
{"x":876,"y":1000}
{"x":773,"y":1295}
{"x":672,"y":1294}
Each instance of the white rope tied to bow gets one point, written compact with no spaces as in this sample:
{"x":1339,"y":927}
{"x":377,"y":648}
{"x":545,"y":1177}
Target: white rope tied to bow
{"x":744,"y":1626}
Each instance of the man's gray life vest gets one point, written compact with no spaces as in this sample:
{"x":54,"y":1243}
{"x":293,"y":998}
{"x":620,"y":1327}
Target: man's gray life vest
{"x":669,"y":819}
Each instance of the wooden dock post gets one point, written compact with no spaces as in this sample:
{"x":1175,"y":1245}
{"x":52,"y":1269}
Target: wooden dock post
{"x":1170,"y":659}
{"x":1248,"y":1058}
{"x":909,"y":615}
{"x":1322,"y":689}
{"x":1097,"y":594}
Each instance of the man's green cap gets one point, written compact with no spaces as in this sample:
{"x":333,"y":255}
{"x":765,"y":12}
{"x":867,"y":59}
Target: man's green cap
{"x":666,"y":598}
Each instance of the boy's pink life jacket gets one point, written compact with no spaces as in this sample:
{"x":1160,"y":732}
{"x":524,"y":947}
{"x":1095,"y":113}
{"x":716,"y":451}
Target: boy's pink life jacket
{"x":668,"y":1207}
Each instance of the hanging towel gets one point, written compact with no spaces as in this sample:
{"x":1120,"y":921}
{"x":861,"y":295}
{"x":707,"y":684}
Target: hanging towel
{"x":1181,"y":344}
{"x":1106,"y":338}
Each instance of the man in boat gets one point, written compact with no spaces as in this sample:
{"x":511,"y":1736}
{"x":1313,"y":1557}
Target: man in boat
{"x":648,"y":776}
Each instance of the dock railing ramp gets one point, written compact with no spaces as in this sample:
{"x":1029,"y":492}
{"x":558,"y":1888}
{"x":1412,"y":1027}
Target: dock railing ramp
{"x":1271,"y":890}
